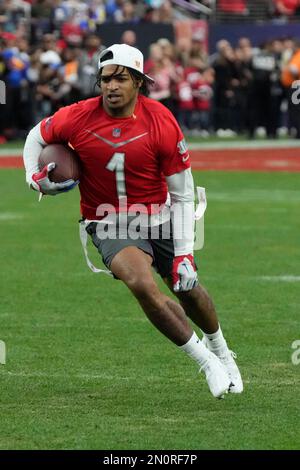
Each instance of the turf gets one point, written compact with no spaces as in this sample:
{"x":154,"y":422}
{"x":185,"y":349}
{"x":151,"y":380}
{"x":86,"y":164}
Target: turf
{"x":86,"y":370}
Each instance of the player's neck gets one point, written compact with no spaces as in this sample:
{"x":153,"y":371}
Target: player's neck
{"x":122,"y":112}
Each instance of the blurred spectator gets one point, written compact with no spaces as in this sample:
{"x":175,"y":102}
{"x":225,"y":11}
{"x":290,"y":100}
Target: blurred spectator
{"x":48,"y":83}
{"x":198,"y":48}
{"x":49,"y":46}
{"x":88,"y":65}
{"x":225,"y":83}
{"x":203,"y":95}
{"x":288,"y":48}
{"x":41,"y":19}
{"x":129,"y":37}
{"x":168,"y":50}
{"x":68,"y":73}
{"x":48,"y":42}
{"x":126,"y":13}
{"x":162,"y":70}
{"x":16,"y":61}
{"x":2,"y":78}
{"x":185,"y":102}
{"x":111,"y":6}
{"x":159,"y":11}
{"x":166,"y":13}
{"x":266,"y":92}
{"x":13,"y":12}
{"x":72,"y":32}
{"x":183,"y":49}
{"x":285,"y":7}
{"x":243,"y":65}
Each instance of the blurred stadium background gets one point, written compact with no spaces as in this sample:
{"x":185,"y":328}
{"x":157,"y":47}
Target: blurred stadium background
{"x":84,"y":370}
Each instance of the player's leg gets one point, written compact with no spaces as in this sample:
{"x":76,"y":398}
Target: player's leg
{"x":130,"y":260}
{"x":199,"y":307}
{"x":133,"y":267}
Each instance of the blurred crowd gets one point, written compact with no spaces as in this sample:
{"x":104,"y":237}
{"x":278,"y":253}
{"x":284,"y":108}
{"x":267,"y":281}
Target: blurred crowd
{"x":78,"y":17}
{"x":52,"y":61}
{"x":282,"y":10}
{"x":237,"y":90}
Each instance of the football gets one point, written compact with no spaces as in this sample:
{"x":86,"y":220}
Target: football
{"x":66,"y":159}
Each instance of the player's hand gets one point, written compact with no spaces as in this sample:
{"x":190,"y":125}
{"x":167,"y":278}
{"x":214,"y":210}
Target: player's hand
{"x":41,"y":182}
{"x":184,"y":275}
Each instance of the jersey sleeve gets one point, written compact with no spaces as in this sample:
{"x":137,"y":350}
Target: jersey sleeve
{"x":172,"y":148}
{"x":57,"y":128}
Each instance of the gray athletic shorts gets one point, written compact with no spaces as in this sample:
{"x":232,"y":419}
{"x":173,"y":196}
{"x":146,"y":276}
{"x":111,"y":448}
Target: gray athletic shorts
{"x":158,"y":243}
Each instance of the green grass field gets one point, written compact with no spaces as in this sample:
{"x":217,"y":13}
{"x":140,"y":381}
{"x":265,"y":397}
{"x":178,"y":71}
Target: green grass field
{"x":86,"y":370}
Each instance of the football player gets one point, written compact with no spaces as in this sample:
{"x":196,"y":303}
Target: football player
{"x":133,"y":152}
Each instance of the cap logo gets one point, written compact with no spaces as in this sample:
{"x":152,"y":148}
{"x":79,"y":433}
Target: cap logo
{"x":138,"y":64}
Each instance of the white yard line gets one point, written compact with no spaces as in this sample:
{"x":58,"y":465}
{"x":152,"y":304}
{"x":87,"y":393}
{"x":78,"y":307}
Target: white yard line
{"x":10,"y":216}
{"x":283,"y":278}
{"x":76,"y":376}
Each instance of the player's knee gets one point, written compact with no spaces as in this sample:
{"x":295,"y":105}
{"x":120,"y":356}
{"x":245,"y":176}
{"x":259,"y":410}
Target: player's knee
{"x":141,"y":288}
{"x":190,"y":295}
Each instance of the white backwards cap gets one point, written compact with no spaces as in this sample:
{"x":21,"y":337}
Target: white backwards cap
{"x":124,"y":55}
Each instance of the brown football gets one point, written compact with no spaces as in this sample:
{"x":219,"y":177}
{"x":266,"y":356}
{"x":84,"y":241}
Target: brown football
{"x":67,"y":162}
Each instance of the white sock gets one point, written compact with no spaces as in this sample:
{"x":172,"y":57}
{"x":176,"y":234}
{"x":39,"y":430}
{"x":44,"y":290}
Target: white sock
{"x":217,"y":342}
{"x":196,"y":350}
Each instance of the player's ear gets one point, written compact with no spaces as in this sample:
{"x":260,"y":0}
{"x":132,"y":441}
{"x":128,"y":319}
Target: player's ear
{"x":138,"y":83}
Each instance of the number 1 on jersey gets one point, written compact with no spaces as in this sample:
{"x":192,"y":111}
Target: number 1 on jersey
{"x":116,"y":164}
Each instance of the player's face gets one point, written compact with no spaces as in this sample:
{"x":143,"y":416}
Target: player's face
{"x":119,"y":91}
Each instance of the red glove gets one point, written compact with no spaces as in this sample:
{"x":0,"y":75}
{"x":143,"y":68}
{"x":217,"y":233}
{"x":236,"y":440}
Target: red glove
{"x":41,"y":182}
{"x":184,"y":274}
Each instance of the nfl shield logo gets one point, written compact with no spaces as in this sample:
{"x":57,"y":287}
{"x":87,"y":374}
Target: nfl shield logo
{"x":116,"y":132}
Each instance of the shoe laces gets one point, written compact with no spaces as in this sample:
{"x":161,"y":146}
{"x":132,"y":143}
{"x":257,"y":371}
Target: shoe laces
{"x":229,"y":356}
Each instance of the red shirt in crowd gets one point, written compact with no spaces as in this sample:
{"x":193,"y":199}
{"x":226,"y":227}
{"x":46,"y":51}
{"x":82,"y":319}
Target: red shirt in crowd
{"x":232,"y":6}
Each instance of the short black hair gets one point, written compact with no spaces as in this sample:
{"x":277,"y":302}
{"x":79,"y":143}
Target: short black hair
{"x":135,"y":75}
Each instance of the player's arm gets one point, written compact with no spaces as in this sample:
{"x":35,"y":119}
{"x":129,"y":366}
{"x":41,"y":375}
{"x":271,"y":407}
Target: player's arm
{"x":39,"y":180}
{"x":175,"y":164}
{"x":181,"y":189}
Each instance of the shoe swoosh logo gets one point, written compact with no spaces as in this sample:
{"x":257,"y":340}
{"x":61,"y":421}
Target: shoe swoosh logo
{"x":113,"y":144}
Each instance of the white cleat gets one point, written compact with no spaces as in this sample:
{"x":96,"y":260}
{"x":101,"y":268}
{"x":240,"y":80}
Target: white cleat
{"x":228,"y":361}
{"x":216,"y":376}
{"x":233,"y":372}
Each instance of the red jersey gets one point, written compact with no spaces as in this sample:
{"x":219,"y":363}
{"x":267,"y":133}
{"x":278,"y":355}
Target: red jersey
{"x":120,"y":156}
